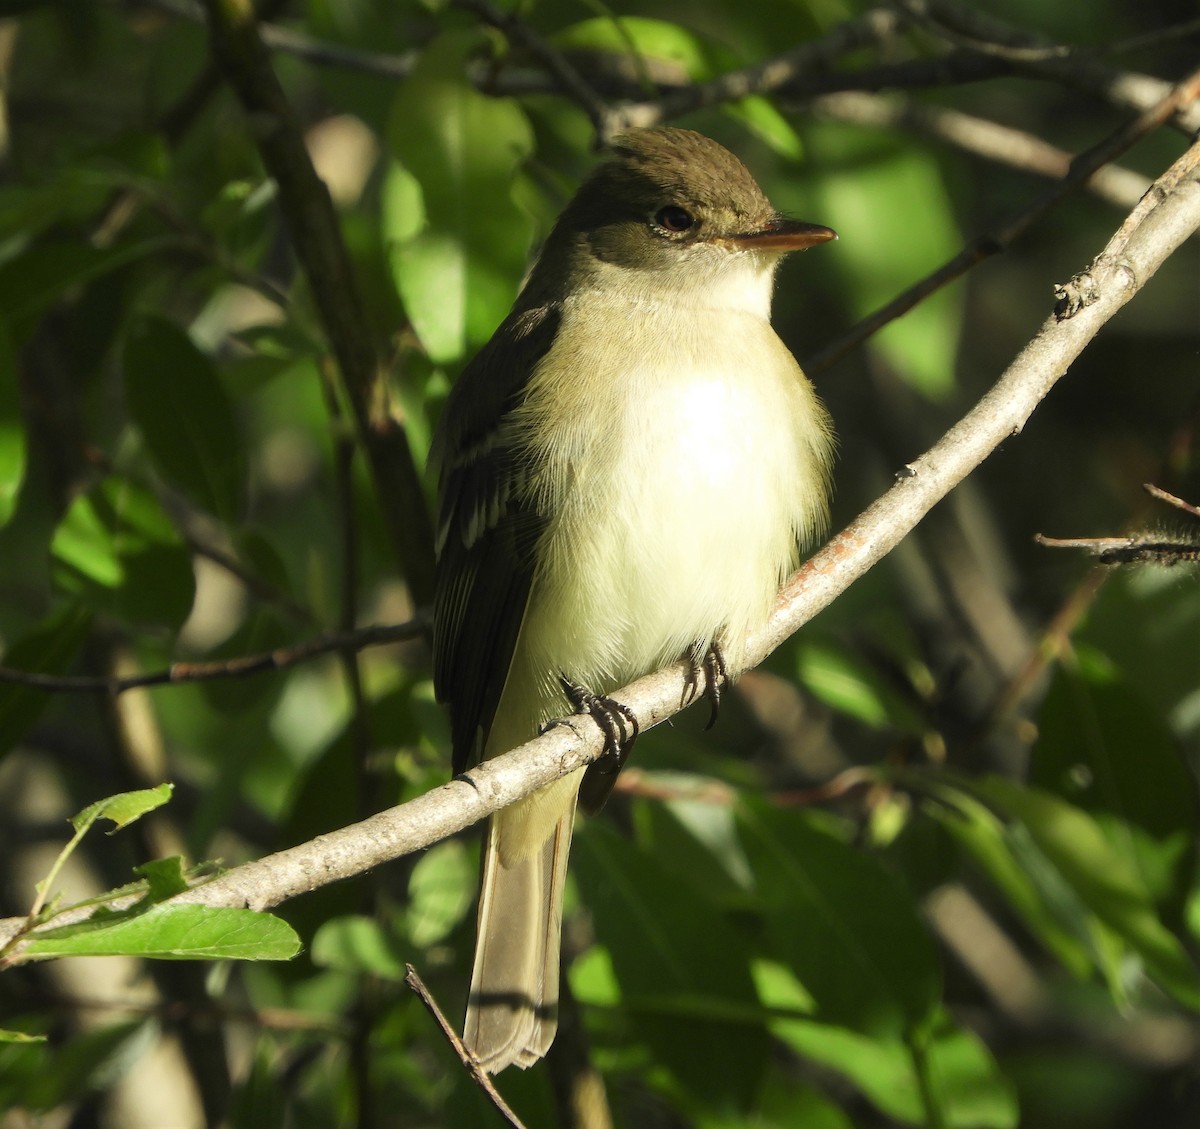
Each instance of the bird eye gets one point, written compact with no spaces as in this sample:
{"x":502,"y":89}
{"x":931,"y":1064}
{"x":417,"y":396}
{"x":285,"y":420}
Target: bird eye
{"x":674,"y":219}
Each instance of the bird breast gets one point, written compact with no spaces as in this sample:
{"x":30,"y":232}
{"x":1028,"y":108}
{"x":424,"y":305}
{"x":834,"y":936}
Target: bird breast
{"x":681,"y":456}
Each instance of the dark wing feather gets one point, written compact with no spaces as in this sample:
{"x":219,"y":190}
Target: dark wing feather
{"x":487,"y":529}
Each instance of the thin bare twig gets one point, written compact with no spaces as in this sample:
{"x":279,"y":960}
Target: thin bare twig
{"x":1172,"y":33}
{"x":701,"y":790}
{"x":779,"y":73}
{"x":1138,"y":548}
{"x":252,"y":582}
{"x":990,"y":38}
{"x":966,"y":28}
{"x":479,"y":1076}
{"x":239,"y":667}
{"x":568,"y":79}
{"x":1134,"y":549}
{"x":1171,"y":500}
{"x":1055,"y":639}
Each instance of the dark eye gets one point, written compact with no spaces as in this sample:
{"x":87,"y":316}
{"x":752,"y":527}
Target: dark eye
{"x":674,"y":219}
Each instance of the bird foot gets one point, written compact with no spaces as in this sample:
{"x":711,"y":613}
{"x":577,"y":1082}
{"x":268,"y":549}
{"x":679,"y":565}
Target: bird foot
{"x":620,"y":728}
{"x":711,"y":665}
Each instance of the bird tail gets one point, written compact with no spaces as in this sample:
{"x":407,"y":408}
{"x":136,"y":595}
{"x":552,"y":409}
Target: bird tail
{"x":512,"y":1011}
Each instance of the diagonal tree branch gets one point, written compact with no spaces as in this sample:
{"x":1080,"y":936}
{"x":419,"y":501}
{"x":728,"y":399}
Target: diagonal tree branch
{"x":1118,"y":273}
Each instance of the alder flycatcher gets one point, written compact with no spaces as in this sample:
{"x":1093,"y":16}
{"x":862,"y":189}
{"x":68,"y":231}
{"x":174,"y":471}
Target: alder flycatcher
{"x":626,"y":473}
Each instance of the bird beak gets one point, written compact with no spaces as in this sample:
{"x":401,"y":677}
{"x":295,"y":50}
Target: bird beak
{"x":783,"y":234}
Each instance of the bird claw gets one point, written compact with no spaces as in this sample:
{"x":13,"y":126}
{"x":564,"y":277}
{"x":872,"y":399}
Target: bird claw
{"x":711,"y":664}
{"x":616,"y":721}
{"x":620,"y":727}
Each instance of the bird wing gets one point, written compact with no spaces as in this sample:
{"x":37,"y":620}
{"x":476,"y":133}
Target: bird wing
{"x":488,"y":529}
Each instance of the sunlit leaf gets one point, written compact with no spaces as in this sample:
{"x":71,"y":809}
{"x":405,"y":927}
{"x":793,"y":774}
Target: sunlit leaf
{"x":117,"y":549}
{"x":164,"y":877}
{"x":20,"y":1037}
{"x":760,"y":116}
{"x":844,"y":925}
{"x":458,"y":274}
{"x":124,"y":808}
{"x":441,"y":890}
{"x":643,"y":37}
{"x":1004,"y":853}
{"x":358,"y":944}
{"x":12,"y":430}
{"x":682,"y":969}
{"x":1103,"y":748}
{"x":1108,"y":882}
{"x":840,"y":683}
{"x":962,"y":1078}
{"x":883,"y":250}
{"x":171,"y":932}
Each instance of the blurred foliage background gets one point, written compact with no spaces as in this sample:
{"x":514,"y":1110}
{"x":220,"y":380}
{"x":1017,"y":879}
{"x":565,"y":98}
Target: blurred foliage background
{"x":936,"y":865}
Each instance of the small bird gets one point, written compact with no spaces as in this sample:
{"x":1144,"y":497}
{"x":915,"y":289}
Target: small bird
{"x":626,"y":473}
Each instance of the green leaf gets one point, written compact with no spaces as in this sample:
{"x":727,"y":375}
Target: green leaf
{"x":118,"y":550}
{"x":682,"y":969}
{"x":784,"y":1104}
{"x":441,"y":890}
{"x":184,"y":416}
{"x":358,"y":944}
{"x":647,"y":38}
{"x":1150,"y":618}
{"x":124,"y":808}
{"x":881,"y":256}
{"x":48,"y":649}
{"x":695,"y":837}
{"x":1101,"y":747}
{"x":12,"y":430}
{"x":663,"y":51}
{"x":962,"y":1078}
{"x":89,"y":1063}
{"x":1105,"y":880}
{"x":20,"y":1037}
{"x":761,"y":118}
{"x":846,"y":926}
{"x":458,"y":274}
{"x":164,"y":877}
{"x":841,"y":683}
{"x":40,"y":276}
{"x":84,"y":544}
{"x":171,"y":932}
{"x":1022,"y":874}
